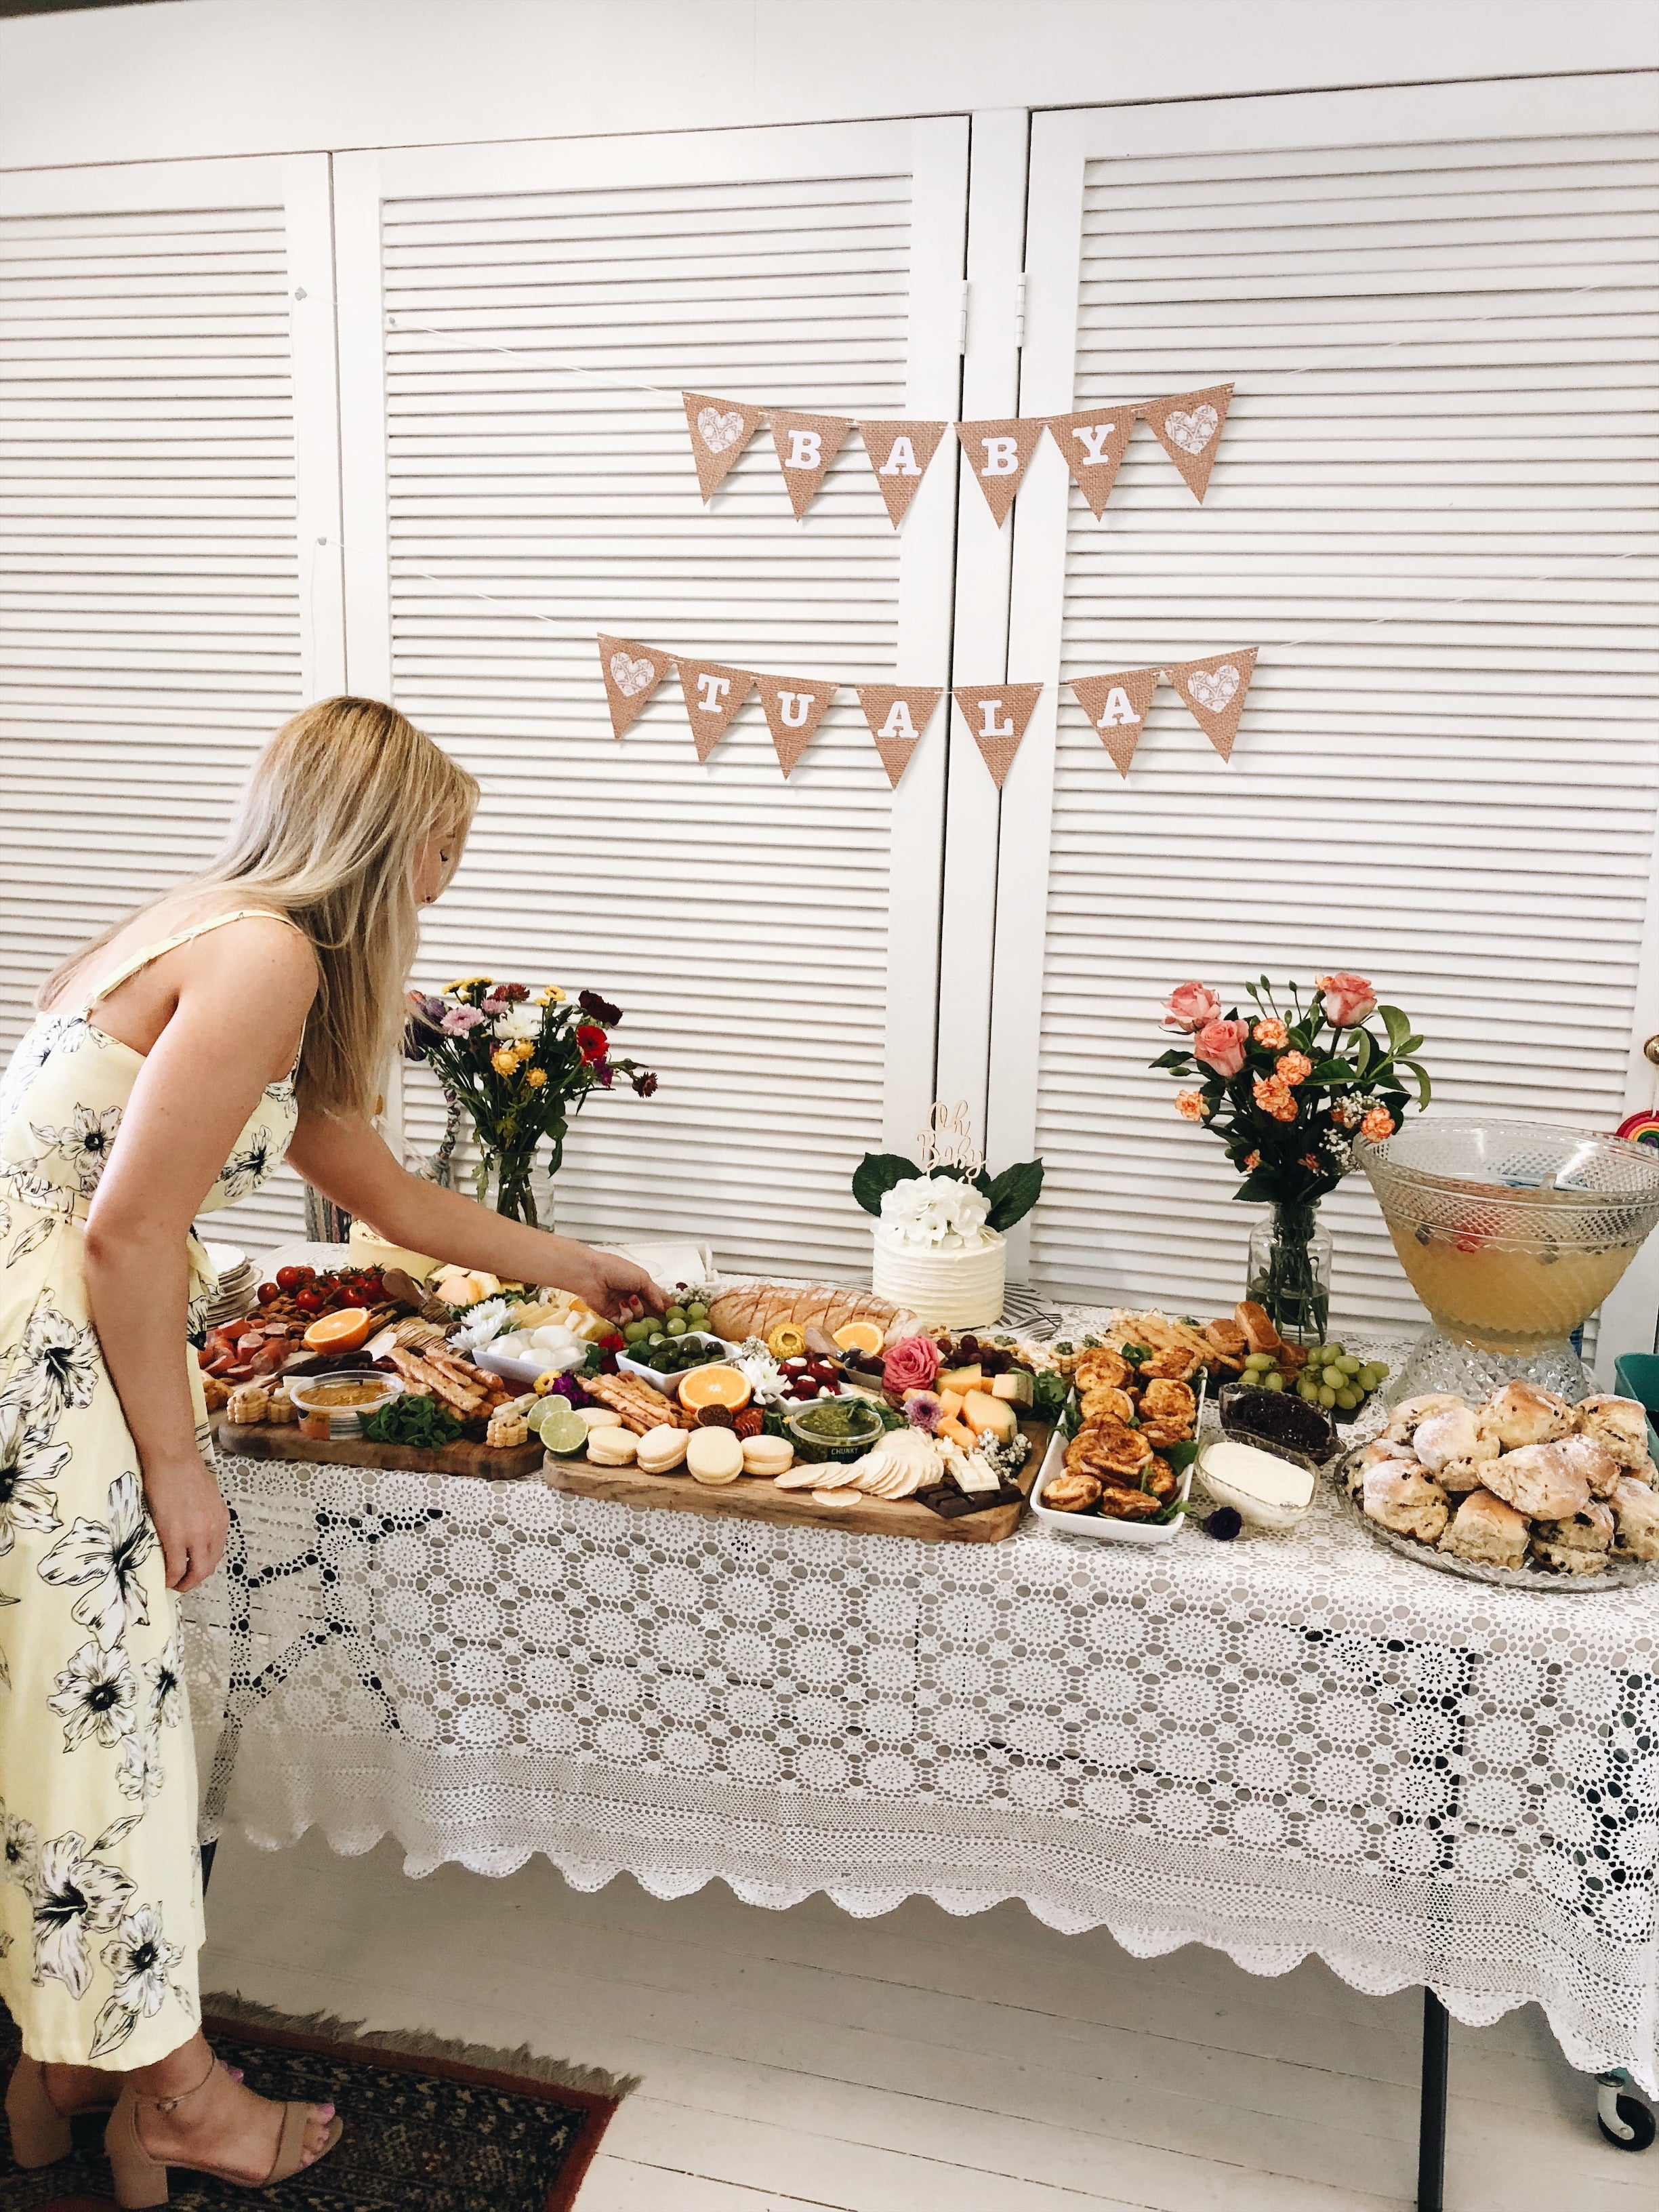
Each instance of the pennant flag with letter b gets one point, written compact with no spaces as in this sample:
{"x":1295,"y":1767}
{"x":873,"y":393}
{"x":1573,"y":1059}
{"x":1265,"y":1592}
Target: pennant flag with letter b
{"x":632,"y":672}
{"x":794,"y":707}
{"x":1213,"y":691}
{"x":997,"y":714}
{"x":1094,"y":443}
{"x":998,"y":454}
{"x":897,"y":715}
{"x":713,"y":694}
{"x":899,"y":454}
{"x":1117,"y":705}
{"x":806,"y":445}
{"x":1188,"y":428}
{"x":719,"y":429}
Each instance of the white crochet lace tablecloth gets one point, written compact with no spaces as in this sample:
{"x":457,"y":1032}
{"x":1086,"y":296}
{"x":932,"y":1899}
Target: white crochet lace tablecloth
{"x":1275,"y":1746}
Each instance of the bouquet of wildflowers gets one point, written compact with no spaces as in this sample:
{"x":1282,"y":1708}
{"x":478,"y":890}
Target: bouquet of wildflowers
{"x":519,"y":1066}
{"x":1289,"y":1089}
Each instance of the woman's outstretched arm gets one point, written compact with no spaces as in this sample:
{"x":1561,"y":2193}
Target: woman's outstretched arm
{"x":344,"y":1159}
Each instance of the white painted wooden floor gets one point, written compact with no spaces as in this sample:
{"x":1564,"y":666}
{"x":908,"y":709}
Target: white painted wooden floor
{"x":800,"y":2060}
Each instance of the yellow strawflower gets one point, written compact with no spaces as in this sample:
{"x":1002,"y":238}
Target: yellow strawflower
{"x":535,"y":1078}
{"x":524,"y":1048}
{"x":552,"y":996}
{"x":504,"y":1060}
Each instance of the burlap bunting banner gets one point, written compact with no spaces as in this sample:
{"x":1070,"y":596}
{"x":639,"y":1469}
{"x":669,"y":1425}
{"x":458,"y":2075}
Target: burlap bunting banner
{"x":899,"y":454}
{"x":806,"y":444}
{"x":1213,"y":691}
{"x":794,"y":707}
{"x":631,"y":672}
{"x":997,"y":714}
{"x":998,"y":454}
{"x":1117,"y":705}
{"x":897,"y":715}
{"x":719,"y":429}
{"x":713,"y":694}
{"x":1188,"y":428}
{"x":1094,"y":441}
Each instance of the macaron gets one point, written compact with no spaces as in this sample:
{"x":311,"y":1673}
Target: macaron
{"x":661,"y":1448}
{"x":599,"y":1417}
{"x":771,"y":1455}
{"x":714,"y":1456}
{"x":611,"y":1447}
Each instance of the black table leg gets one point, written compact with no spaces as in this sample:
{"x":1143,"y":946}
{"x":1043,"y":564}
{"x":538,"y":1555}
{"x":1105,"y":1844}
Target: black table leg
{"x":1431,"y":2121}
{"x":209,"y":1852}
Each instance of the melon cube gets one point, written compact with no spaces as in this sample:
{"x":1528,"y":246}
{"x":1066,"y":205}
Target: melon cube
{"x":992,"y":1416}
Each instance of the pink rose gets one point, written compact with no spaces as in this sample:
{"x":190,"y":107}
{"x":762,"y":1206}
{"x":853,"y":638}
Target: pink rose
{"x":1349,"y":999}
{"x":911,"y":1363}
{"x":1189,"y":1007}
{"x":1220,"y":1045}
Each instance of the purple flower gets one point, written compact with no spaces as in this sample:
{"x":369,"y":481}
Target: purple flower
{"x":604,"y":1073}
{"x":460,"y":1020}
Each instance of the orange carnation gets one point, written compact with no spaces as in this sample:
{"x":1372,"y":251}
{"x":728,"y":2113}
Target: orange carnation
{"x":1377,"y":1125}
{"x":1271,"y":1034}
{"x":1293,"y":1067}
{"x":1252,"y":1161}
{"x":1190,"y":1104}
{"x":1275,"y":1097}
{"x":1313,"y":1164}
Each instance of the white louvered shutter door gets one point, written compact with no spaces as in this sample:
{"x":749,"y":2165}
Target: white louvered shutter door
{"x":167,"y":462}
{"x":772,"y":943}
{"x":1459,"y":801}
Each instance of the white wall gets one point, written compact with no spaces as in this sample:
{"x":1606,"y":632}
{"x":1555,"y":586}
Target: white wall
{"x":240,"y":76}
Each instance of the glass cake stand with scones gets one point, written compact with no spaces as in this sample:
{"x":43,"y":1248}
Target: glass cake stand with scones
{"x":1512,"y":1233}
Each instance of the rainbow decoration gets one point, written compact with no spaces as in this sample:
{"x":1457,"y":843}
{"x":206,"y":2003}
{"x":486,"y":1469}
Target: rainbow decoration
{"x":1642,"y":1128}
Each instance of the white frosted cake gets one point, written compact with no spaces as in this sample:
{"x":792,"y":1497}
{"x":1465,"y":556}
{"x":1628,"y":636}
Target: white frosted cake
{"x":935,"y":1255}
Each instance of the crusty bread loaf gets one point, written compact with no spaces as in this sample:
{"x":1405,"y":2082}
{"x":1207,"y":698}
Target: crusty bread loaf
{"x":757,"y":1308}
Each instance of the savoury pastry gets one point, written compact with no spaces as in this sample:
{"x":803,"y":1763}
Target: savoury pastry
{"x":1120,"y":1503}
{"x":1070,"y":1492}
{"x":1102,"y":1401}
{"x":1109,"y":1447}
{"x":1164,"y":1399}
{"x":1101,"y":1370}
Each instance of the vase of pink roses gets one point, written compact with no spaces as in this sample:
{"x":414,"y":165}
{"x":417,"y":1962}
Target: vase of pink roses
{"x":1287,"y":1089}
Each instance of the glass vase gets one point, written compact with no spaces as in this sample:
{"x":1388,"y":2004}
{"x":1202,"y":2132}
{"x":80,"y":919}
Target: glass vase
{"x":1291,"y":1272}
{"x":514,"y":1184}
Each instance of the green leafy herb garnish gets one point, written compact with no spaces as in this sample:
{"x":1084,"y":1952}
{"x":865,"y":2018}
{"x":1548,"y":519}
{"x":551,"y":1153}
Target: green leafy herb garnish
{"x":412,"y":1420}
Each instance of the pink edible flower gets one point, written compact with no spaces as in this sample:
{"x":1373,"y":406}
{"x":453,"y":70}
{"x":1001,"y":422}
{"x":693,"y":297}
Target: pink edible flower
{"x":1189,"y":1007}
{"x":912,"y":1364}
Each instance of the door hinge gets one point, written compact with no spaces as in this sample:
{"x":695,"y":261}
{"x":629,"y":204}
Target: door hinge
{"x":1019,"y":311}
{"x":962,"y":321}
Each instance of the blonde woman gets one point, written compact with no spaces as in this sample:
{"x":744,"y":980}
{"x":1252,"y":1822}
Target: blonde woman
{"x":243,"y":1018}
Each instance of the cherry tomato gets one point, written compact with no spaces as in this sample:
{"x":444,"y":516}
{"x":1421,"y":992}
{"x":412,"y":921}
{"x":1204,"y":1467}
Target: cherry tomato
{"x":268,"y":1292}
{"x":309,"y":1302}
{"x":290,"y":1279}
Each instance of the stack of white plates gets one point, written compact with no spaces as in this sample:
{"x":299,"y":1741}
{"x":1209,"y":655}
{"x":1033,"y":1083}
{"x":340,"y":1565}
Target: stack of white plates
{"x":238,"y":1284}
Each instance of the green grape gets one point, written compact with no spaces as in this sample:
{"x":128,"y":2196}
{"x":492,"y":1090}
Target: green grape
{"x":675,"y":1313}
{"x":676,"y":1324}
{"x":1316,"y":1354}
{"x":1348,"y":1399}
{"x":1333,"y":1377}
{"x":1374,"y":1377}
{"x":1308,"y":1390}
{"x":1258,"y":1362}
{"x":1250,"y":1380}
{"x":635,"y":1331}
{"x":1326,"y":1395}
{"x":657,"y":1336}
{"x":1273,"y":1381}
{"x":697,"y":1313}
{"x":1334,"y":1351}
{"x":1350,"y":1363}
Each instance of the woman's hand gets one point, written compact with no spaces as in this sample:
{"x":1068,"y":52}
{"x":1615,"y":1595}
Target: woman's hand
{"x":192,"y":1519}
{"x":606,"y":1282}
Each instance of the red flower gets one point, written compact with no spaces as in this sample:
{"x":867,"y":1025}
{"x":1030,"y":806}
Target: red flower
{"x":592,"y":1042}
{"x":613,"y":1343}
{"x":645,"y":1085}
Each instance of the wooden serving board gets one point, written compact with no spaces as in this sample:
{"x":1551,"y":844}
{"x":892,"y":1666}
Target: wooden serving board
{"x":281,"y":1440}
{"x":756,"y":1497}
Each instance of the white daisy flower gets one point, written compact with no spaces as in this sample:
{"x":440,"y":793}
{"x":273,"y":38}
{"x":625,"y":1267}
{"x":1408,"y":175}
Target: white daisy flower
{"x":520,"y":1024}
{"x":107,"y":1556}
{"x":96,"y":1695}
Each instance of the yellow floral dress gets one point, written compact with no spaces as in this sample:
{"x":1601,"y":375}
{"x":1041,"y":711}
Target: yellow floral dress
{"x":100,"y":1910}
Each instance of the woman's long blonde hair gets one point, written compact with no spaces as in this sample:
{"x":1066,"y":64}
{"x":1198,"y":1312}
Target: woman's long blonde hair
{"x":333,"y":817}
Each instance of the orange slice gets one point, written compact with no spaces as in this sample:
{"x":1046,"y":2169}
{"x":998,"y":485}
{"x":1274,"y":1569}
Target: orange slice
{"x":714,"y":1386}
{"x":338,"y":1332}
{"x":860,"y":1336}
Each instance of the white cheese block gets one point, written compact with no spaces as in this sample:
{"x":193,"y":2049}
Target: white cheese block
{"x":1262,"y":1488}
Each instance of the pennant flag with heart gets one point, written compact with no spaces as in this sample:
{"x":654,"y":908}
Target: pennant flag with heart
{"x":1214,"y":691}
{"x":632,"y":672}
{"x":998,"y":454}
{"x":1094,"y":441}
{"x":806,"y":445}
{"x":1117,"y":705}
{"x":997,"y":714}
{"x":899,"y":454}
{"x":719,"y":429}
{"x":1188,"y":428}
{"x":713,"y":694}
{"x":897,"y":715}
{"x":794,"y":707}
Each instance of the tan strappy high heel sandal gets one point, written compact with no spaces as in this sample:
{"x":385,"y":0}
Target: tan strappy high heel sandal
{"x":40,"y":2130}
{"x":142,"y":2182}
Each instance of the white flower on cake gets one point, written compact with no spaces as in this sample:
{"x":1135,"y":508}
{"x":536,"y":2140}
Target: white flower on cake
{"x":936,"y":1213}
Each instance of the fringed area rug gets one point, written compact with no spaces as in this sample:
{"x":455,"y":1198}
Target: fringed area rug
{"x":430,"y":2126}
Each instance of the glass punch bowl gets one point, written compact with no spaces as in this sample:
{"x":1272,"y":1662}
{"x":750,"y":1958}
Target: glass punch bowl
{"x":1512,"y":1233}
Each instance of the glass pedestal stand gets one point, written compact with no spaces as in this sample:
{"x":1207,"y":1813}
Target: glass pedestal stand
{"x":1439,"y":1362}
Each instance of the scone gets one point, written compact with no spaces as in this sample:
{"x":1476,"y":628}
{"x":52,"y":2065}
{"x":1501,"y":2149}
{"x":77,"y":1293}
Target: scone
{"x":1378,"y":1455}
{"x":1619,"y":1423}
{"x":1593,"y":1460}
{"x":1452,"y":1446}
{"x":1578,"y":1546}
{"x":1402,"y":1497}
{"x":1486,"y":1532}
{"x":1403,"y":1421}
{"x":1539,"y":1482}
{"x":1636,"y":1514}
{"x":1521,"y":1414}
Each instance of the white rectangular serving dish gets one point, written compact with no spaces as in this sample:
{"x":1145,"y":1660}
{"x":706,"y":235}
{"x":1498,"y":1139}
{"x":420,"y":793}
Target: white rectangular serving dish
{"x":1091,"y":1524}
{"x":526,"y":1372}
{"x":668,"y":1384}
